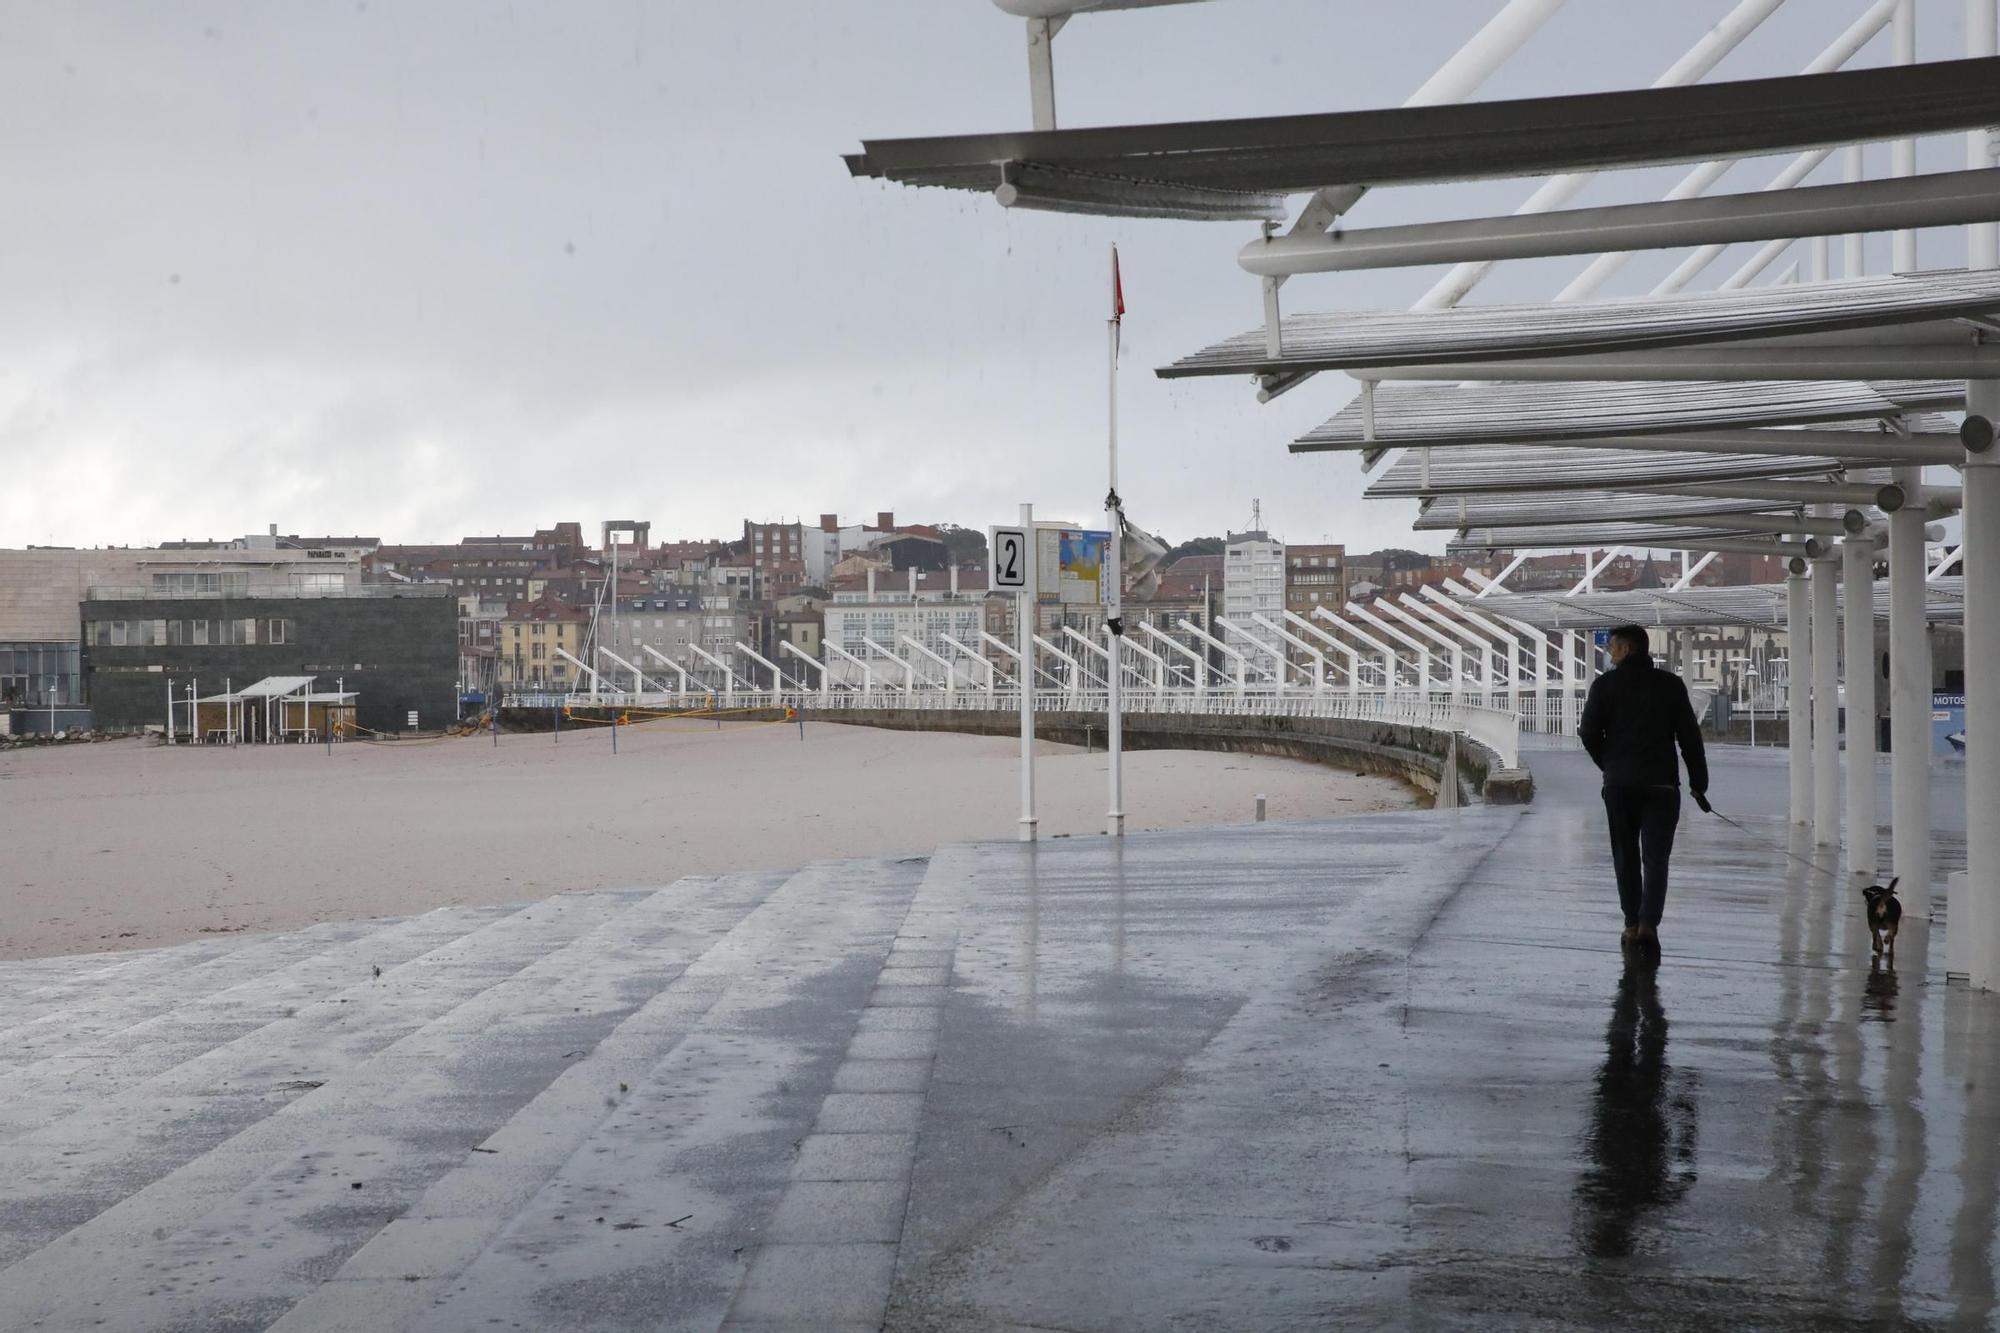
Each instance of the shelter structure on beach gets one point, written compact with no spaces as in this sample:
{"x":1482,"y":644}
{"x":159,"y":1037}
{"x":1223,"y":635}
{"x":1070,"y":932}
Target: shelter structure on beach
{"x":274,"y":709}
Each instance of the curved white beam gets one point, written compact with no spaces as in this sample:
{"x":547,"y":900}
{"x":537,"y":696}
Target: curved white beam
{"x":1200,"y":663}
{"x":1389,"y":657}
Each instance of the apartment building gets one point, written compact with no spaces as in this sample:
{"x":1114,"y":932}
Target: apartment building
{"x":531,"y":633}
{"x":774,"y":543}
{"x":1315,"y":576}
{"x":1253,"y":584}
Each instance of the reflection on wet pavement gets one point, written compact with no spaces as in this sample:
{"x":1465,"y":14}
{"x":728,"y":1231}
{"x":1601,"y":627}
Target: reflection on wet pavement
{"x":1640,"y":1137}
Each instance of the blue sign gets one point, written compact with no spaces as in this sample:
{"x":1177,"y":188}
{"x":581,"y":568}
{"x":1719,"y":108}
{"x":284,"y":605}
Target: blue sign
{"x":1601,"y":637}
{"x":1948,"y":725}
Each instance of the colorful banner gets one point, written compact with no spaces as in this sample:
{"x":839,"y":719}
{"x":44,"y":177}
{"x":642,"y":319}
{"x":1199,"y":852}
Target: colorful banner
{"x":1948,"y":725}
{"x":1071,"y":564}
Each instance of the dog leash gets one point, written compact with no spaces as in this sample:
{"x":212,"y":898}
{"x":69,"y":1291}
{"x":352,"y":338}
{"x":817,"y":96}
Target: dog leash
{"x":1805,"y":861}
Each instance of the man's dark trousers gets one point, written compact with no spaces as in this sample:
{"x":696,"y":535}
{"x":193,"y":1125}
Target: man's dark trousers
{"x":1642,"y":838}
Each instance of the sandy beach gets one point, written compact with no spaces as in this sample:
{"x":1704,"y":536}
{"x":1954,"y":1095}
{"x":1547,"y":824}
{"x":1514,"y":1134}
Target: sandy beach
{"x":127,"y":844}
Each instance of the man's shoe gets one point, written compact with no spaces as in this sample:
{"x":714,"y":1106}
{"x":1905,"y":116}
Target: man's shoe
{"x":1648,"y":942}
{"x":1628,"y":941}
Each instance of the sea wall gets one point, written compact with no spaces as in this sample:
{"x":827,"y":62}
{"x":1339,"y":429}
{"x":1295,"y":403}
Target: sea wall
{"x":1418,"y":756}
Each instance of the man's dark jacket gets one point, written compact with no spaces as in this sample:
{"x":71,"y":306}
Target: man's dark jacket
{"x":1633,"y":717}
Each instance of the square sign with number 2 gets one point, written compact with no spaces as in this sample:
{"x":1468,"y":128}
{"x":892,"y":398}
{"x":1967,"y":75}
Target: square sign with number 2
{"x":1010,"y":557}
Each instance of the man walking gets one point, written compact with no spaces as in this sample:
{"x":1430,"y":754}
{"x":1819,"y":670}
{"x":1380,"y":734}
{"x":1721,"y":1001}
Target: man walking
{"x":1635,"y":715}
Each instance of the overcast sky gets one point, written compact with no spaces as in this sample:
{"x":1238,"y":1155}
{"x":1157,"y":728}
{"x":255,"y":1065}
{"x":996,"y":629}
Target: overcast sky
{"x":420,"y":270}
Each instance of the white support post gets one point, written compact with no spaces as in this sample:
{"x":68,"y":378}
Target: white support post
{"x":1982,"y":38}
{"x":638,"y":676}
{"x":1826,"y":701}
{"x":867,"y":668}
{"x":1094,"y":649}
{"x":778,"y":678}
{"x":909,"y":669}
{"x":1973,"y":925}
{"x":825,"y":682}
{"x":1042,"y":69}
{"x":1352,"y":658}
{"x":1421,"y":649}
{"x":1433,"y":613}
{"x":1455,"y":651}
{"x":1498,"y":583}
{"x":1012,"y":653}
{"x":950,"y":677}
{"x":1156,"y":678}
{"x":1075,"y":686}
{"x":1903,"y":152}
{"x":977,"y":658}
{"x":1512,"y":640}
{"x":1278,"y":659}
{"x":1686,"y":580}
{"x":1983,"y":703}
{"x":1981,"y":924}
{"x":1113,"y":584}
{"x":722,"y":664}
{"x":678,"y":669}
{"x":1858,"y":573}
{"x":1242,"y":662}
{"x":1909,"y":704}
{"x":1853,"y":258}
{"x":1588,"y":583}
{"x":1317,"y":657}
{"x":1195,"y":659}
{"x":1572,"y":658}
{"x":1024,"y":627}
{"x":596,"y":681}
{"x":1798,"y":691}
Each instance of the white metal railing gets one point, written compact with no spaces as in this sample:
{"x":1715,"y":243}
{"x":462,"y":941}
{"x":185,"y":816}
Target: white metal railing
{"x":1494,"y":718}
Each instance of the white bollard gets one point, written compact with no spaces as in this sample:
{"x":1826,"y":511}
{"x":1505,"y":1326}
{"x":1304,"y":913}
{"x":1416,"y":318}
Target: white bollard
{"x":1260,"y":807}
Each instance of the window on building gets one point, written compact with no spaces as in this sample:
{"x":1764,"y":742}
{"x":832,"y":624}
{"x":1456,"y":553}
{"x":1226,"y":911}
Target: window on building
{"x":198,"y":631}
{"x":307,"y":585}
{"x":278,"y":631}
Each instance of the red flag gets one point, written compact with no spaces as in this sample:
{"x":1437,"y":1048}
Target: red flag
{"x":1117,"y":288}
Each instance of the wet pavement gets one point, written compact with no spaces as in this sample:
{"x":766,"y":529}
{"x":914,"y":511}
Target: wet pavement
{"x":1463,"y":1110}
{"x":1380,"y":1072}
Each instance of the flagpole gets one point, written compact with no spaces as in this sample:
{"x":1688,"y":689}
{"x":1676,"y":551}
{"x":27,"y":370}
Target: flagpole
{"x":1114,"y":598}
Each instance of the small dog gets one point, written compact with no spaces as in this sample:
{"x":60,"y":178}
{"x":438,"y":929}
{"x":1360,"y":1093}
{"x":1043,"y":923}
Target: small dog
{"x":1885,"y":915}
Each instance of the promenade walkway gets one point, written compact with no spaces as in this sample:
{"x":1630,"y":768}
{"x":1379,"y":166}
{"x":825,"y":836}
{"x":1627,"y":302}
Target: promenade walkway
{"x":1378,"y":1072}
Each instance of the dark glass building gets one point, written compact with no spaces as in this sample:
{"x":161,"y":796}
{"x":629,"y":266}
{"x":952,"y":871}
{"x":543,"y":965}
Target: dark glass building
{"x":397,"y":647}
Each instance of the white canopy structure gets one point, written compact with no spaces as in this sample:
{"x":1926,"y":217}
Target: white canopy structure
{"x":1794,"y":419}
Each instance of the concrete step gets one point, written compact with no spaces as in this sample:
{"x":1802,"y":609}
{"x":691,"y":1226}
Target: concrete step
{"x":40,"y":987}
{"x":161,"y":1033}
{"x":92,"y":1011}
{"x":235,"y":1236}
{"x":68,"y":1171}
{"x":628,"y":1193}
